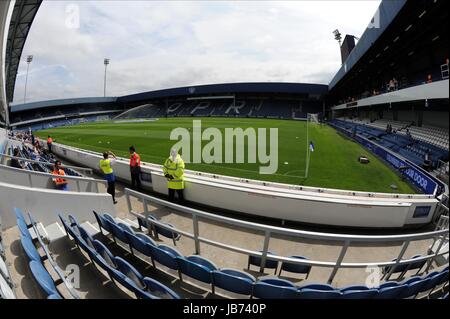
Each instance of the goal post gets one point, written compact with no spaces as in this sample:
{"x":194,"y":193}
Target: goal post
{"x":312,"y":118}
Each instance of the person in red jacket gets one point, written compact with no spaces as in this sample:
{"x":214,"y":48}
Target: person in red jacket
{"x":135,"y":169}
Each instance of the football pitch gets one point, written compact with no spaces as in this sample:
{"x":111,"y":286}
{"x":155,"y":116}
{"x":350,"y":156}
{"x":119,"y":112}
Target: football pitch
{"x":332,"y":164}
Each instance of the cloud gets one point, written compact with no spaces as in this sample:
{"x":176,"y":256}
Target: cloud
{"x":161,"y":44}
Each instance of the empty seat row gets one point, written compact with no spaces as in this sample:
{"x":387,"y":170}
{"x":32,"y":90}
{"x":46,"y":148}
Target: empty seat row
{"x":118,"y":269}
{"x":36,"y":266}
{"x":232,"y":280}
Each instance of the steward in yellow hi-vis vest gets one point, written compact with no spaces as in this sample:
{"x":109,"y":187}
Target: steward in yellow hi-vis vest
{"x":105,"y":166}
{"x":174,"y":172}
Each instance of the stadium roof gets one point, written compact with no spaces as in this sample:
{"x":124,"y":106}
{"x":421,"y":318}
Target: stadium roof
{"x":21,"y":19}
{"x":386,"y":13}
{"x":230,"y":88}
{"x":62,"y":102}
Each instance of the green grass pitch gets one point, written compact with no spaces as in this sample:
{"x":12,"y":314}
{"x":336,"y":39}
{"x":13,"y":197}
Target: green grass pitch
{"x":333,"y":164}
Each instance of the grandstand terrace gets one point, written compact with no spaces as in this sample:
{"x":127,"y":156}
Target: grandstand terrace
{"x":235,"y":237}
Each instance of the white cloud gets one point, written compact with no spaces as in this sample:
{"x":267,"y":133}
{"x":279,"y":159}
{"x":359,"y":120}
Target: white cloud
{"x":155,"y":45}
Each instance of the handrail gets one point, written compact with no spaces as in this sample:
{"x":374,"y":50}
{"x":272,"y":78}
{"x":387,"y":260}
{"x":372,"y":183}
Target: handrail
{"x":281,"y":230}
{"x":270,"y":230}
{"x":78,"y":179}
{"x":86,"y":169}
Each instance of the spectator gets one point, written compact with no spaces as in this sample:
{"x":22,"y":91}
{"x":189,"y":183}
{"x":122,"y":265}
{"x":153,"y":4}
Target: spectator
{"x":15,"y":162}
{"x":49,"y":143}
{"x":174,"y":172}
{"x":135,"y":168}
{"x":429,"y":78}
{"x":105,"y":166}
{"x":60,"y":183}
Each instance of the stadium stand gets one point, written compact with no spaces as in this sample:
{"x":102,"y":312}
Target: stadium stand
{"x":407,"y":146}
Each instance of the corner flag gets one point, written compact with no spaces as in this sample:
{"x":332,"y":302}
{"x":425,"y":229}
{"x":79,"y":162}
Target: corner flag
{"x":311,"y":146}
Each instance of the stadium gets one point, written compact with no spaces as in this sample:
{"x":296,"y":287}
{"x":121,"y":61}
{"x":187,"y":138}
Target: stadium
{"x":290,"y":190}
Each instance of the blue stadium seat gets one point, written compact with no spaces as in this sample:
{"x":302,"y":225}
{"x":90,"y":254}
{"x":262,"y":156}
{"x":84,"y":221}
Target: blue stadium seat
{"x":256,"y":261}
{"x":158,"y":290}
{"x":141,"y":243}
{"x":413,"y":286}
{"x":196,"y":267}
{"x":102,"y":223}
{"x":158,"y":230}
{"x":358,"y":292}
{"x":403,"y":268}
{"x":272,"y":288}
{"x":86,"y":237}
{"x":43,"y":278}
{"x":19,"y":215}
{"x":69,"y":230}
{"x":23,"y":228}
{"x":166,"y":256}
{"x":233,"y":280}
{"x":131,"y":273}
{"x":390,"y":290}
{"x":324,"y":287}
{"x":295,"y":268}
{"x":30,"y":249}
{"x":319,"y":294}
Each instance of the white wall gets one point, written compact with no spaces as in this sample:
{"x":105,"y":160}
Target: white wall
{"x":45,"y":204}
{"x":41,"y":180}
{"x":308,"y":206}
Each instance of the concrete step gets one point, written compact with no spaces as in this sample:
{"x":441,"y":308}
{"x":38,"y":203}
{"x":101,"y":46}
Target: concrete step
{"x":133,"y":223}
{"x":55,"y":231}
{"x":90,"y":228}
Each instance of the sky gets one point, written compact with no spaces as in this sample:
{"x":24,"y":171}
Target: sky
{"x":163,"y":44}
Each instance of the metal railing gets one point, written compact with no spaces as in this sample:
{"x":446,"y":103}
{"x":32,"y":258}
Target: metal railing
{"x":78,"y":180}
{"x":269,"y":231}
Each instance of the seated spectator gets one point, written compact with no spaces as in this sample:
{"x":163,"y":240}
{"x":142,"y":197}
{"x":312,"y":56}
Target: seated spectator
{"x":60,"y":183}
{"x":429,"y":78}
{"x":15,"y":162}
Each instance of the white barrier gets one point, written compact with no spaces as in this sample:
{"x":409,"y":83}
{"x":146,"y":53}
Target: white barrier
{"x":45,"y":204}
{"x":308,"y":205}
{"x":35,"y":179}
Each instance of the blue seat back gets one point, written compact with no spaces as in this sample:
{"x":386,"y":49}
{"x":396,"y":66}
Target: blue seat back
{"x":140,"y":243}
{"x":19,"y":215}
{"x":296,"y":268}
{"x":128,"y":270}
{"x":393,"y":292}
{"x":104,"y":252}
{"x":119,"y":233}
{"x":360,"y":294}
{"x":43,"y":278}
{"x":319,"y":294}
{"x":234,"y":281}
{"x":256,"y":261}
{"x":158,"y":290}
{"x":165,"y":256}
{"x":23,"y":228}
{"x":194,"y":270}
{"x":101,"y":221}
{"x":30,"y":249}
{"x":264,"y":290}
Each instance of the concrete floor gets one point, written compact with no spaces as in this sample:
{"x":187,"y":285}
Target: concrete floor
{"x":96,"y":284}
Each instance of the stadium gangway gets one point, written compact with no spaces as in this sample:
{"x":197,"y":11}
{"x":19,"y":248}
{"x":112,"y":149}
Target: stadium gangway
{"x":439,"y":236}
{"x":78,"y":180}
{"x":86,"y":170}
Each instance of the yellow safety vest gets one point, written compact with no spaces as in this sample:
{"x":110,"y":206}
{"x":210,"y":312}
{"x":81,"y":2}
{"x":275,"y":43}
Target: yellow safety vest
{"x":176,"y":169}
{"x":105,"y":166}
